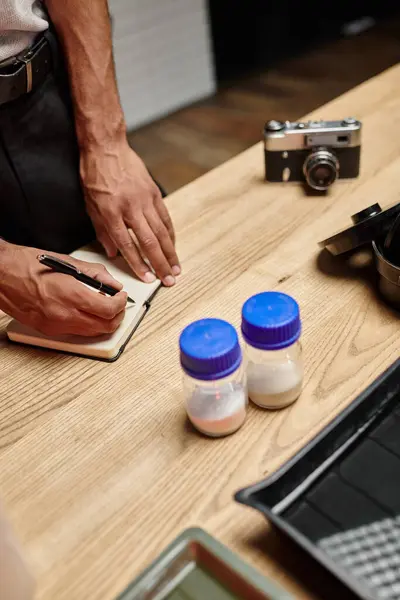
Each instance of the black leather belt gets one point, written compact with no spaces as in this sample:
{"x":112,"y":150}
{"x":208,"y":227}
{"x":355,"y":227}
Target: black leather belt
{"x":25,"y":72}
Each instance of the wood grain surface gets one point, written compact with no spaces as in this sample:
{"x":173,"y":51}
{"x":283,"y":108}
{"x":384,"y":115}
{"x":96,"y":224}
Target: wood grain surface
{"x":99,"y":469}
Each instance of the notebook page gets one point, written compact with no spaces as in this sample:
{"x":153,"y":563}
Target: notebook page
{"x":119,"y":269}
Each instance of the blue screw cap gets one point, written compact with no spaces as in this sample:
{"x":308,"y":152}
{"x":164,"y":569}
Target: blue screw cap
{"x":271,"y":321}
{"x":209,"y":349}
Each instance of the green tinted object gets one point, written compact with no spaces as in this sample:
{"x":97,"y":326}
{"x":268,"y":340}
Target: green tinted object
{"x":198,"y":567}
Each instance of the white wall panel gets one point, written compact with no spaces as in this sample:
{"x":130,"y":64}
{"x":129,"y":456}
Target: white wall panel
{"x":163,"y":56}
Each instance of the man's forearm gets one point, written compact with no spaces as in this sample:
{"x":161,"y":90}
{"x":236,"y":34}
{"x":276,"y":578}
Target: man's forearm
{"x":84,"y":29}
{"x":120,"y":196}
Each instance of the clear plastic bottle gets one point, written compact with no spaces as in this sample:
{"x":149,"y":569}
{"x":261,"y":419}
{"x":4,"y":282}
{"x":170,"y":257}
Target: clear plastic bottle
{"x":271,"y":328}
{"x":214,"y":379}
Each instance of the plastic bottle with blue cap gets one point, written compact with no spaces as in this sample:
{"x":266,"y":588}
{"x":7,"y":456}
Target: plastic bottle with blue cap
{"x":271,"y":328}
{"x":214,"y":377}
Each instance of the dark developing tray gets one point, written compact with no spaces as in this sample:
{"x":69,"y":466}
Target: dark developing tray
{"x":197,"y":567}
{"x":339,"y":497}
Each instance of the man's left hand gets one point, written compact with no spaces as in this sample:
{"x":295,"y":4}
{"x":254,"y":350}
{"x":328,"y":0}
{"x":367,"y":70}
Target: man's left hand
{"x":128,"y":211}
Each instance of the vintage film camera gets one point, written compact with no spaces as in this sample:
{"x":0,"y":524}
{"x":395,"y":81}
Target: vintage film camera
{"x":318,"y":152}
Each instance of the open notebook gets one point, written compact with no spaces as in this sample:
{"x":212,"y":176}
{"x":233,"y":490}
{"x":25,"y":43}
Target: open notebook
{"x":105,"y":347}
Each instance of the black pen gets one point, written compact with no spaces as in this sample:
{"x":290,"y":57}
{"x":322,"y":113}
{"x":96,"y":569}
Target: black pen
{"x":60,"y":266}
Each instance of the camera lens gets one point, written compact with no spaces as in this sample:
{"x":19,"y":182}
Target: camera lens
{"x":321,"y":169}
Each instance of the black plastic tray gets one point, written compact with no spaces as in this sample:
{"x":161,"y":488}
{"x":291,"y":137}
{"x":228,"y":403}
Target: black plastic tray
{"x":339,"y":497}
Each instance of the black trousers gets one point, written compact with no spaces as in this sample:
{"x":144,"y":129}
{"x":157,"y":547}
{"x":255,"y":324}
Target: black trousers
{"x":41,"y":199}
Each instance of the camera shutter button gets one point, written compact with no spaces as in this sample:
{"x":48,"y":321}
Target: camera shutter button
{"x":274,"y":125}
{"x":349,"y":121}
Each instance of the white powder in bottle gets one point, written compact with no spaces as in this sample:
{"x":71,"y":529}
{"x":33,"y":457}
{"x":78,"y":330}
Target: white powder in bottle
{"x":271,"y":328}
{"x":217,"y":411}
{"x":275,"y":384}
{"x":214,"y":382}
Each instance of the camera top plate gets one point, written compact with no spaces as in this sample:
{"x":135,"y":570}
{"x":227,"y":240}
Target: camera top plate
{"x":368,"y":225}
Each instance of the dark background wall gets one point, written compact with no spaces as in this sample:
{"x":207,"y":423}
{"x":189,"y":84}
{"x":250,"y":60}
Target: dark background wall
{"x":249,"y":34}
{"x":270,"y":72}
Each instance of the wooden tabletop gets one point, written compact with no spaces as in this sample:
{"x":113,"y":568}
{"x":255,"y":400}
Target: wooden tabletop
{"x":99,"y":470}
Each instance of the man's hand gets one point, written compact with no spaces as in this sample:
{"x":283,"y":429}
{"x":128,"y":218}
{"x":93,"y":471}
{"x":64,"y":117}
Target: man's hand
{"x":54,"y":303}
{"x":124,"y":203}
{"x":127,"y":210}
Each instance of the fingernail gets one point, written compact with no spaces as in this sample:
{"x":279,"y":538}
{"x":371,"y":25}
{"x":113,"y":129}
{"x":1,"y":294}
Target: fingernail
{"x":176,"y":270}
{"x":169,"y":281}
{"x":149,"y":277}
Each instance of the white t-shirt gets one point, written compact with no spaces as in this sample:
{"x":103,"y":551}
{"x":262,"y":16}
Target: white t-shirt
{"x":20,"y":22}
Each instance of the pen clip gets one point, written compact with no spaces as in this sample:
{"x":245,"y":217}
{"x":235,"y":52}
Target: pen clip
{"x":43,"y":258}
